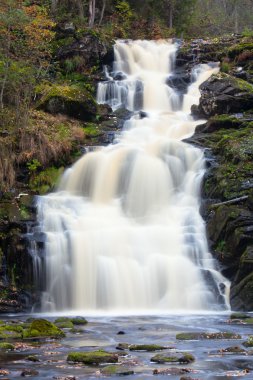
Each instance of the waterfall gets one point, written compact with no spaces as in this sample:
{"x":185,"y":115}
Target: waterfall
{"x":123,"y":231}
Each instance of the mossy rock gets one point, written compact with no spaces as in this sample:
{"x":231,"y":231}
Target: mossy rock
{"x":79,"y":321}
{"x":249,"y":342}
{"x":11,"y":332}
{"x":117,"y":370}
{"x":64,"y":323}
{"x":202,"y":336}
{"x":41,"y":328}
{"x":146,"y":347}
{"x":237,"y":49}
{"x":32,"y":358}
{"x":93,"y":357}
{"x":239,"y":316}
{"x":175,"y":358}
{"x":72,"y":100}
{"x":6,"y":346}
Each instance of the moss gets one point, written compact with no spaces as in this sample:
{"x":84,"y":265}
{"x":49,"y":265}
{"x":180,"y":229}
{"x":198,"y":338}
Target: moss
{"x":111,"y":370}
{"x":146,"y":347}
{"x":32,"y":358}
{"x":249,"y":342}
{"x":239,"y":316}
{"x":236,"y":49}
{"x":11,"y":332}
{"x":182,"y":358}
{"x":6,"y":346}
{"x":201,"y":336}
{"x":93,"y":357}
{"x":45,"y":180}
{"x":92,"y":130}
{"x":79,"y":321}
{"x":40,"y":328}
{"x":65,"y":325}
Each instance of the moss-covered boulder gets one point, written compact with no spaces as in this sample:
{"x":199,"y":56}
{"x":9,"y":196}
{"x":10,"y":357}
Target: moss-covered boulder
{"x":64,"y":323}
{"x":14,"y":331}
{"x":206,"y":335}
{"x":146,"y":347}
{"x":72,"y":100}
{"x":4,"y":346}
{"x":173,"y":358}
{"x":79,"y":321}
{"x":249,"y":342}
{"x":41,"y":328}
{"x":92,"y":357}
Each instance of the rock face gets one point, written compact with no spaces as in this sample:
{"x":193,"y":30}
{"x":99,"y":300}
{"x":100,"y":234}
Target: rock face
{"x":227,"y":138}
{"x":223,"y":94}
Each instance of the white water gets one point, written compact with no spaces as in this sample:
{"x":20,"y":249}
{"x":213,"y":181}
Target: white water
{"x":123,"y":231}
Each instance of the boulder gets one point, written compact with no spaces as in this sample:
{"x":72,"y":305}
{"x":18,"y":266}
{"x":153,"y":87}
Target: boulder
{"x":72,"y":100}
{"x":223,"y":93}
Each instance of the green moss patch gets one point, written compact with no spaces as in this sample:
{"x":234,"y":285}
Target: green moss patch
{"x":41,"y":328}
{"x":201,"y":336}
{"x":6,"y":346}
{"x":146,"y":347}
{"x":117,"y":370}
{"x":11,"y":332}
{"x":93,"y":357}
{"x":249,"y":342}
{"x":177,"y":358}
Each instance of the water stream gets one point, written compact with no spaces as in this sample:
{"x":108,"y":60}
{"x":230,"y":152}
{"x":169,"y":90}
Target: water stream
{"x":123,"y":231}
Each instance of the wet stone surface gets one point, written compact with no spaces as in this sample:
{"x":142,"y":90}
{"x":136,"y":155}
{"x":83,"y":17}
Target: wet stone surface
{"x":152,"y":349}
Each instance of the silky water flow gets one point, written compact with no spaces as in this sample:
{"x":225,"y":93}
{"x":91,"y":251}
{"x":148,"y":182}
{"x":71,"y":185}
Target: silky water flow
{"x":123,"y":231}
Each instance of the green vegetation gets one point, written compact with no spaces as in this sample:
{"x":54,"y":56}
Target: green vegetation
{"x":41,"y":328}
{"x":93,"y":357}
{"x":200,"y":336}
{"x":6,"y":346}
{"x":173,"y":358}
{"x":146,"y":347}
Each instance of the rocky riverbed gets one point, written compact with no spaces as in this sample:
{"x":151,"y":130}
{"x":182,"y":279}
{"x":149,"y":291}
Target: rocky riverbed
{"x":185,"y":347}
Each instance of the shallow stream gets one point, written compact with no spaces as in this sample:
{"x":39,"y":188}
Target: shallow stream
{"x":211,"y":362}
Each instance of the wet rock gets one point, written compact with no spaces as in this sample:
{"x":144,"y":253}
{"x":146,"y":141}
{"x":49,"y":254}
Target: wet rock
{"x":32,"y":358}
{"x":120,"y":332}
{"x":64,"y":378}
{"x":123,"y":346}
{"x":29,"y":372}
{"x":201,"y":336}
{"x":64,"y":323}
{"x":173,"y":358}
{"x":223,"y":93}
{"x":93,"y":357}
{"x":239,"y":316}
{"x":117,"y":370}
{"x":146,"y":347}
{"x":171,"y":371}
{"x":249,"y":342}
{"x":79,"y":321}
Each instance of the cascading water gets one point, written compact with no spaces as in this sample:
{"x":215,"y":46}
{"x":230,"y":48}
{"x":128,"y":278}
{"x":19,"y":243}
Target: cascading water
{"x":123,"y":231}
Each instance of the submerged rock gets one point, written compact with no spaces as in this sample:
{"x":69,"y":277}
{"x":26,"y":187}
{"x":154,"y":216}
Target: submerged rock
{"x":146,"y":347}
{"x":171,"y":371}
{"x":117,"y":370}
{"x":201,"y":336}
{"x":173,"y":358}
